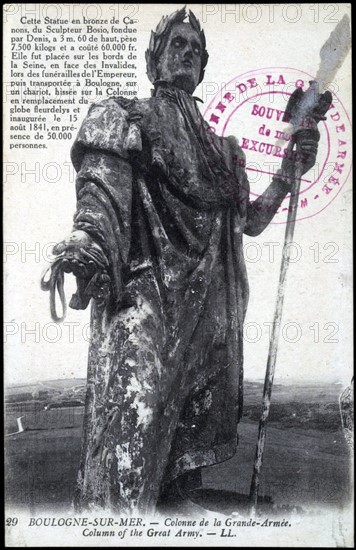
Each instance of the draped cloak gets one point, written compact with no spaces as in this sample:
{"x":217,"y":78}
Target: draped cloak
{"x":168,"y":202}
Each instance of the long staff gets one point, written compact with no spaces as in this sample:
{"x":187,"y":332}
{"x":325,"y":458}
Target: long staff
{"x":332,"y":55}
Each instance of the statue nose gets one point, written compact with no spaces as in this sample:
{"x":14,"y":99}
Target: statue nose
{"x":188,"y":53}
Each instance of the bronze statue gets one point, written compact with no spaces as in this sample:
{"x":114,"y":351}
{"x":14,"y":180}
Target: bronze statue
{"x":162,"y":207}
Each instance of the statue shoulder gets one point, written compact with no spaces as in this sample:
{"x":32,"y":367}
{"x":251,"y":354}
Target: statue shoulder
{"x":105,"y":128}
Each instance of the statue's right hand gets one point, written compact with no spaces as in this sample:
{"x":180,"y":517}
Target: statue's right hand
{"x":80,"y":255}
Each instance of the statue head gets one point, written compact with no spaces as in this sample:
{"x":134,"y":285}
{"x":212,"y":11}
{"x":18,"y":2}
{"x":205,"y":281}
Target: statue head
{"x":177,"y":51}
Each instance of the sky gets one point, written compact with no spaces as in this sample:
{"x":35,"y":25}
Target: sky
{"x":316,"y":342}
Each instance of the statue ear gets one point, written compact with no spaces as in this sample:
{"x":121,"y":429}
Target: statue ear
{"x":204,"y":61}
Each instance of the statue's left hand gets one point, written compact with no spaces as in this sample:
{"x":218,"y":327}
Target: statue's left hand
{"x":306,"y":139}
{"x":307,"y":135}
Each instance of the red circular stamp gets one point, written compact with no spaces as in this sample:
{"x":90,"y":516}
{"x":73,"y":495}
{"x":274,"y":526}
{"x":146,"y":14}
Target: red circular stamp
{"x":251,"y":107}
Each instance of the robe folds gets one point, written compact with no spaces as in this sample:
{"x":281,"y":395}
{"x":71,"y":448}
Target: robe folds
{"x":168,"y":202}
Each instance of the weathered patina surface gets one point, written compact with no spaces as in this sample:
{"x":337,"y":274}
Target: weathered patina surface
{"x":168,"y":202}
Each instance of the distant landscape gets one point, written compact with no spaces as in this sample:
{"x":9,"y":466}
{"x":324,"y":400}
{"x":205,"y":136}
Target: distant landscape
{"x":307,"y":460}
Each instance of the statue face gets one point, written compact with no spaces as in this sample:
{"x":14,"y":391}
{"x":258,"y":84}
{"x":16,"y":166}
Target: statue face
{"x":180,"y":62}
